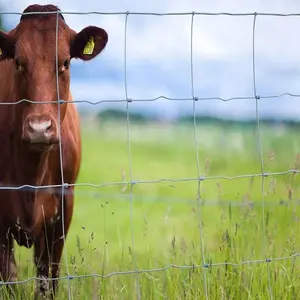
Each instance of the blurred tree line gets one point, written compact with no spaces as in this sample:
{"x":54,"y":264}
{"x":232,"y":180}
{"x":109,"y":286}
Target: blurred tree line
{"x":136,"y":117}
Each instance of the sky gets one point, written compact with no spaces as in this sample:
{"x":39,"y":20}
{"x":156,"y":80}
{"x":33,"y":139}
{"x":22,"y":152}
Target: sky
{"x":158,"y":56}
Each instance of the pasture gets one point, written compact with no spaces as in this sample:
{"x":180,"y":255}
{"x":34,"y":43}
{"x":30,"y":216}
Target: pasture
{"x":165,"y":218}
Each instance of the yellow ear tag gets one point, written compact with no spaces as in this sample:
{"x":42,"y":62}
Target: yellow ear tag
{"x":0,"y":51}
{"x":89,"y":47}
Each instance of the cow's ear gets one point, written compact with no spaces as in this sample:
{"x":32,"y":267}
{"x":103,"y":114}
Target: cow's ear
{"x":88,"y":43}
{"x":7,"y":47}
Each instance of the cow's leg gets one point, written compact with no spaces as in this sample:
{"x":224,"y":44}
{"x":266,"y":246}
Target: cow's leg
{"x":58,"y":236}
{"x":41,"y":259}
{"x":8,"y":269}
{"x":49,"y":248}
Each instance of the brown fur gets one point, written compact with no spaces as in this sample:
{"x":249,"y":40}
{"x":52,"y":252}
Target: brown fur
{"x":27,"y":71}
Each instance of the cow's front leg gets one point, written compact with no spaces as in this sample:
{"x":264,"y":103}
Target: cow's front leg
{"x":61,"y":227}
{"x":41,"y":259}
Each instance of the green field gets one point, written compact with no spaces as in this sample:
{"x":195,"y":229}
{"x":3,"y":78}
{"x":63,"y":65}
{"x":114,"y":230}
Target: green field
{"x":165,"y":216}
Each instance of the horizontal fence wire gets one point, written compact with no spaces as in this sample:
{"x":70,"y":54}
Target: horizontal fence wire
{"x":63,"y":188}
{"x":145,"y":181}
{"x":170,"y":266}
{"x":153,"y":99}
{"x":157,"y":14}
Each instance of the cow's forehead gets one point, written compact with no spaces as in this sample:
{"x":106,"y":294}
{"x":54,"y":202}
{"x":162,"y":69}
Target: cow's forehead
{"x":38,"y":37}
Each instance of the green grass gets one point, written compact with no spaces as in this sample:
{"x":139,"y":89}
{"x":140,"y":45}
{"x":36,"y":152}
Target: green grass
{"x":166,"y":217}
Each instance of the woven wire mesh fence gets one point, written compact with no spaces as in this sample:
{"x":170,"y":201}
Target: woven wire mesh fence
{"x":191,"y":100}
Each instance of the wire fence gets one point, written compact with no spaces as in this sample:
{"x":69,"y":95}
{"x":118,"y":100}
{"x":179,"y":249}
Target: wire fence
{"x":198,"y":177}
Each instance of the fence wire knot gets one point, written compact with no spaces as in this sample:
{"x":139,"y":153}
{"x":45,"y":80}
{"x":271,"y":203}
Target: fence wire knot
{"x":65,"y":185}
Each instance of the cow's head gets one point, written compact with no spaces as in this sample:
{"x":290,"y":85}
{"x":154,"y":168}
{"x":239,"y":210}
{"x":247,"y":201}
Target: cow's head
{"x":32,"y":48}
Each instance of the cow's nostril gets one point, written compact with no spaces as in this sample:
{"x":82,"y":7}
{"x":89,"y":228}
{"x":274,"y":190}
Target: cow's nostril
{"x":49,"y":126}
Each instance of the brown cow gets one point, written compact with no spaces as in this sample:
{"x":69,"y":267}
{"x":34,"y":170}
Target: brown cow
{"x":29,"y":136}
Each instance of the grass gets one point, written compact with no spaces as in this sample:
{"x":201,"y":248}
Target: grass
{"x":165,"y":218}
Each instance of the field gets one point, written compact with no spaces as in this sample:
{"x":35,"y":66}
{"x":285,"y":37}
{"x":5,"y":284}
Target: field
{"x":166,"y":219}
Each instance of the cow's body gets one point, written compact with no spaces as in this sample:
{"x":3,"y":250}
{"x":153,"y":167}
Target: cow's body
{"x":30,"y":153}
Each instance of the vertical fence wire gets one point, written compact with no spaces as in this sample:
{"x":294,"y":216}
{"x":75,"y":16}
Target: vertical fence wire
{"x":130,"y":162}
{"x":199,"y":211}
{"x":61,"y":158}
{"x":260,"y":148}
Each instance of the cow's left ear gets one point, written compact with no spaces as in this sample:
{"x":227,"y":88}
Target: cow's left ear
{"x":88,"y":43}
{"x":7,"y":48}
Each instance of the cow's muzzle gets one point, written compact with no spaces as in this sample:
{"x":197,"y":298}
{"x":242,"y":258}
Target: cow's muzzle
{"x":40,"y":131}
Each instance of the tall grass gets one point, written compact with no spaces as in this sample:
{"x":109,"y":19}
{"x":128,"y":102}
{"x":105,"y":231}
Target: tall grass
{"x":166,"y":221}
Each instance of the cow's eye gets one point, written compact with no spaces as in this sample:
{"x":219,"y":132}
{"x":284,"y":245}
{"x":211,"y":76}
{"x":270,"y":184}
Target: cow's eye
{"x":64,"y":67}
{"x":66,"y":64}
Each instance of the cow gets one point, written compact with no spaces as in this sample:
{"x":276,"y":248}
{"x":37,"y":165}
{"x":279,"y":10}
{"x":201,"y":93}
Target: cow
{"x":40,"y":137}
